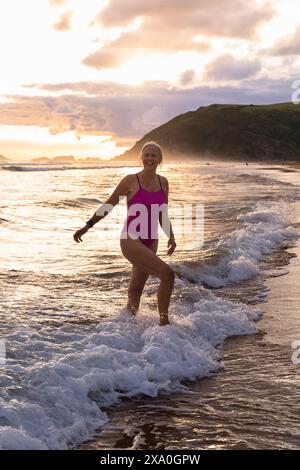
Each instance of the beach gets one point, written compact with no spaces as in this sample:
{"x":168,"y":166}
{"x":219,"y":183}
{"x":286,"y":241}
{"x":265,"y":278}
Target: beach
{"x":80,"y":372}
{"x":252,"y":403}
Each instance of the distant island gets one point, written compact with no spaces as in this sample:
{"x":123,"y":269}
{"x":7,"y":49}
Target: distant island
{"x":228,"y":132}
{"x":90,"y":160}
{"x":60,"y":159}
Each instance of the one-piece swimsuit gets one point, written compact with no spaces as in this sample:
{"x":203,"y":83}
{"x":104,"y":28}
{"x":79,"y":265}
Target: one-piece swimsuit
{"x":148,"y":199}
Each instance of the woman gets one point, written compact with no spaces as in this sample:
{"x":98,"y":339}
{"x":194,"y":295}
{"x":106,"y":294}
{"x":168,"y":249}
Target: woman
{"x":149,"y":189}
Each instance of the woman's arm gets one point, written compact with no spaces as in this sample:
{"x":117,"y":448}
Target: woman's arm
{"x":121,"y":190}
{"x":169,"y":231}
{"x":102,"y":211}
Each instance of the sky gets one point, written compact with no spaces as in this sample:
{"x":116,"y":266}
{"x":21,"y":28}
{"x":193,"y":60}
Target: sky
{"x":90,"y":77}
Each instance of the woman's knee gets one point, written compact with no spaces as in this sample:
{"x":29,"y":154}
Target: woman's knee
{"x":167,"y":273}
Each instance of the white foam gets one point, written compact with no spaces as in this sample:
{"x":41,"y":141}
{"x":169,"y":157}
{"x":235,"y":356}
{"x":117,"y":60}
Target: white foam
{"x":11,"y":439}
{"x":59,"y":399}
{"x":259,"y":233}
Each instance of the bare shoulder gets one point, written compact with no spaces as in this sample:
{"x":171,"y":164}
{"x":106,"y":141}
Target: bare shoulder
{"x":130,"y":183}
{"x":123,"y":186}
{"x":128,"y":177}
{"x":164,"y":182}
{"x":131,"y":180}
{"x":126,"y":181}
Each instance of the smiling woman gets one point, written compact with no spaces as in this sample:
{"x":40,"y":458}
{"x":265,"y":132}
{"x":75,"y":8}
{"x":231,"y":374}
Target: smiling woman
{"x":145,"y":190}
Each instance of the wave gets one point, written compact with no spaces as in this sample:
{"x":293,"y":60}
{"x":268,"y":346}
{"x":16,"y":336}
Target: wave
{"x":238,"y":253}
{"x":60,"y":167}
{"x":76,"y":202}
{"x":67,"y":376}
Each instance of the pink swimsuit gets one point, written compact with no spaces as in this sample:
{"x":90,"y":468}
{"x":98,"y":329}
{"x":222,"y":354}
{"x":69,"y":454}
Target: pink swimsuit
{"x":147,"y":199}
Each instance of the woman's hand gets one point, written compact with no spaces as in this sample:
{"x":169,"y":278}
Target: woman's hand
{"x":77,"y":235}
{"x":171,"y":245}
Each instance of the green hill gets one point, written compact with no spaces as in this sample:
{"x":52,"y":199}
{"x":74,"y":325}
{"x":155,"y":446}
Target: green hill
{"x":229,"y":132}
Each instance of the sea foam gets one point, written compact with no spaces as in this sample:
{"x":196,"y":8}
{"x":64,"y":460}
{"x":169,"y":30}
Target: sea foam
{"x":67,"y":377}
{"x":241,"y":250}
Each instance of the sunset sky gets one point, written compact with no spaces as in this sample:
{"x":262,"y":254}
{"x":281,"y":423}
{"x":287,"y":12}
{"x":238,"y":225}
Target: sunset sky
{"x":90,"y":77}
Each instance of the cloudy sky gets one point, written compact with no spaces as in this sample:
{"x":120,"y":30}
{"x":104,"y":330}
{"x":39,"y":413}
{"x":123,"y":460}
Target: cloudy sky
{"x":90,"y":77}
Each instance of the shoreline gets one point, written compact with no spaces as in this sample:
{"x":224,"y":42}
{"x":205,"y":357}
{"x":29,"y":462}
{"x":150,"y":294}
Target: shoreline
{"x":105,"y":162}
{"x":252,"y":403}
{"x":295,"y":165}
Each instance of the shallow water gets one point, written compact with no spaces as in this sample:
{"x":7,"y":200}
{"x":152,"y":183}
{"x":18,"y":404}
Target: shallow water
{"x":72,"y":351}
{"x":252,"y":403}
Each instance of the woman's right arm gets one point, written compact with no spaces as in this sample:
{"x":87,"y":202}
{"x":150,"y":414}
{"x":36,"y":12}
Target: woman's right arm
{"x":103,"y":210}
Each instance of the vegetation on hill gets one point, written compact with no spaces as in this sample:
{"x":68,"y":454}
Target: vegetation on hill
{"x":229,"y":132}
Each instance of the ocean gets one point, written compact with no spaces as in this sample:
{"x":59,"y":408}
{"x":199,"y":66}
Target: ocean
{"x":77,"y":371}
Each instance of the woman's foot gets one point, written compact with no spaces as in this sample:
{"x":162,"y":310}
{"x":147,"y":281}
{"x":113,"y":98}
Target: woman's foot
{"x":164,"y":320}
{"x":131,"y":309}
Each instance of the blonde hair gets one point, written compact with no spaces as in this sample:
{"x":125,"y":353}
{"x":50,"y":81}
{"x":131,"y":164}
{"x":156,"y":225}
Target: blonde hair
{"x":155,"y":144}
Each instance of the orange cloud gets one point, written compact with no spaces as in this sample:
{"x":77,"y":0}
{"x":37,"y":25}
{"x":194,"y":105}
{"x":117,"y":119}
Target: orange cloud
{"x":172,"y":25}
{"x":288,"y":45}
{"x":221,"y":18}
{"x":56,"y":3}
{"x":59,"y":114}
{"x":132,"y":43}
{"x":64,"y":22}
{"x":108,"y":57}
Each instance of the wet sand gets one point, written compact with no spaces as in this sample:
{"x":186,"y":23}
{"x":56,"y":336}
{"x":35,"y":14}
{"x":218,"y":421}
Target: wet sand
{"x":284,"y":166}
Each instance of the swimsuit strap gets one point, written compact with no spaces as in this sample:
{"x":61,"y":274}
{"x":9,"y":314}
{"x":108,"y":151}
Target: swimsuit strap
{"x":138,"y":181}
{"x":160,"y":183}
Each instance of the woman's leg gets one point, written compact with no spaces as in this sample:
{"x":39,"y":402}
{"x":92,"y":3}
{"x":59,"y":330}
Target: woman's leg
{"x":147,"y":261}
{"x":137,"y":284}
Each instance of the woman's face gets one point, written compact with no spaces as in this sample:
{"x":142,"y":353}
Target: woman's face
{"x":151,"y":156}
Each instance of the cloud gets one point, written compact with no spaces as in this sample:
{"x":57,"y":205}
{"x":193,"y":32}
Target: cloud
{"x":104,"y":88}
{"x":217,"y":17}
{"x":288,"y":45}
{"x":187,"y":77}
{"x":125,"y":142}
{"x":132,"y":43}
{"x":108,"y":57}
{"x":129,"y":111}
{"x":227,"y":67}
{"x":173,"y":25}
{"x":58,"y":114}
{"x":57,"y":3}
{"x":64,"y":22}
{"x":153,"y":116}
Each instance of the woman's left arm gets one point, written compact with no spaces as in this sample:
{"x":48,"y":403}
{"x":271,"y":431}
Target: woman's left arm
{"x":169,"y":231}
